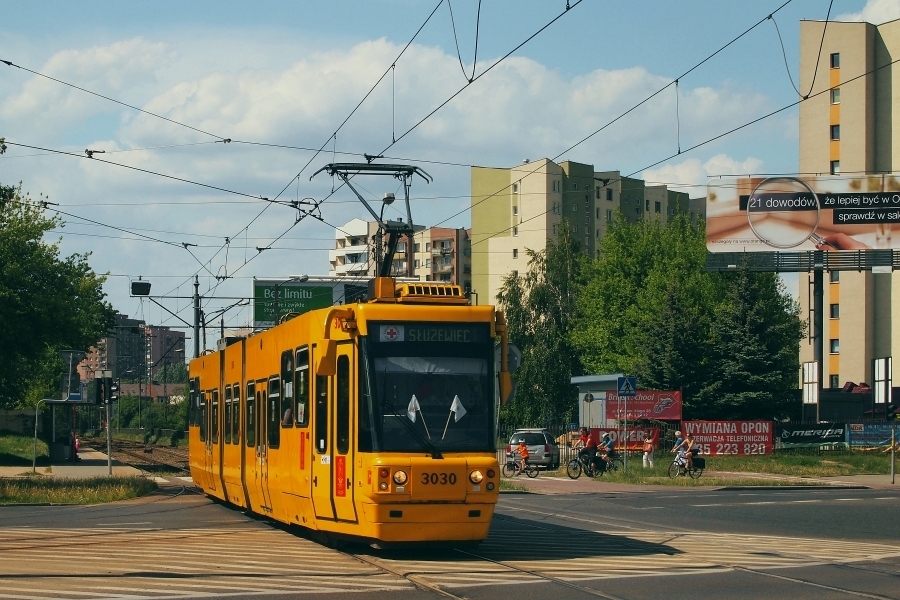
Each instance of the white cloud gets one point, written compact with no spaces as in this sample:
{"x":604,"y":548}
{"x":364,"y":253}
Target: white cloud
{"x":691,"y":175}
{"x":116,"y":70}
{"x":875,"y":11}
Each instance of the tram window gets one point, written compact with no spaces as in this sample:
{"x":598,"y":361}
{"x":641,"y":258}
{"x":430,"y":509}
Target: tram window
{"x":227,"y":414}
{"x":260,"y":434}
{"x":321,"y":433}
{"x":250,"y":417}
{"x":272,"y":412}
{"x":301,"y":388}
{"x":236,"y":412}
{"x":287,"y":388}
{"x":343,"y":404}
{"x":195,"y":401}
{"x":214,"y":431}
{"x":202,"y":415}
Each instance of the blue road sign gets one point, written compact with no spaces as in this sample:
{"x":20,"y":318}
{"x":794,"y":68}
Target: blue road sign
{"x":626,"y":386}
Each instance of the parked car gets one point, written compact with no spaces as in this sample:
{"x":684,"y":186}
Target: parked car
{"x":542,"y":449}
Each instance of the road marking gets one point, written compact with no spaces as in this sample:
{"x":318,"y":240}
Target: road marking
{"x":753,"y":503}
{"x":160,"y":480}
{"x":708,"y":504}
{"x":191,"y":479}
{"x":846,"y":499}
{"x":804,"y":501}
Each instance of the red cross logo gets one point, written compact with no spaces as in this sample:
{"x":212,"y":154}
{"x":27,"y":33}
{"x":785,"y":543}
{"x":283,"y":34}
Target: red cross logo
{"x":390,"y":333}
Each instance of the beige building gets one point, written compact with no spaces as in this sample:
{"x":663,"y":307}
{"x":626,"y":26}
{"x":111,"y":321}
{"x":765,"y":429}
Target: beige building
{"x":852,"y":128}
{"x":436,"y":254}
{"x":518,"y":209}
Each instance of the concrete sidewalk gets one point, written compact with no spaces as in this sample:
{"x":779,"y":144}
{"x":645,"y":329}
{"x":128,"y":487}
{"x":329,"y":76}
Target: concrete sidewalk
{"x":92,"y":464}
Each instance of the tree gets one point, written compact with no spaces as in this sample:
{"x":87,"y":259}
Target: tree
{"x":755,"y":336}
{"x":539,"y":306}
{"x":47,"y":303}
{"x":173,"y":373}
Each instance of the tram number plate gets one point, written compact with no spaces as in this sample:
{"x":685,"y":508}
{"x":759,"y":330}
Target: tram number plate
{"x":437,"y":479}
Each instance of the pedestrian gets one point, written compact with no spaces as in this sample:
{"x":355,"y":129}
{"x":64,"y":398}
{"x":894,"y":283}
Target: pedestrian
{"x":648,"y":449}
{"x":77,"y":447}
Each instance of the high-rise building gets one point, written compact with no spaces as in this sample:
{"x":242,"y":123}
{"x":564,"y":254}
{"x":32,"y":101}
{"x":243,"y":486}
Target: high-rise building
{"x":852,"y":129}
{"x":436,"y":253}
{"x":134,"y":350}
{"x":518,"y":209}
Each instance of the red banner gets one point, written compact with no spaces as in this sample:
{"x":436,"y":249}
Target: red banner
{"x":646,"y":404}
{"x":636,"y":437}
{"x":731,"y":437}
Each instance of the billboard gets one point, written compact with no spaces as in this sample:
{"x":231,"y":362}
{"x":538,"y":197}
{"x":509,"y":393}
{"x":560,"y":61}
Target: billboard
{"x":813,"y":436}
{"x":872,"y":435}
{"x":645,"y":404}
{"x":635,"y":437}
{"x":825,"y":212}
{"x":284,"y":297}
{"x":740,"y":438}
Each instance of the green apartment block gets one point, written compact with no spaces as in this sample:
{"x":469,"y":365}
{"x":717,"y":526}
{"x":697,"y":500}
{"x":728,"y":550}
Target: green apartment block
{"x":518,"y":209}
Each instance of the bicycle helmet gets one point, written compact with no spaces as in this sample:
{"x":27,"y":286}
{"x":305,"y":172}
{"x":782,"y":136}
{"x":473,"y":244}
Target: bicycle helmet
{"x":605,"y":436}
{"x":677,"y":434}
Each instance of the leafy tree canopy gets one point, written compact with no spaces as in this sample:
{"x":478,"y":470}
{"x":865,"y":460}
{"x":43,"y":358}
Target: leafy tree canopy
{"x":539,"y":306}
{"x":47,"y":302}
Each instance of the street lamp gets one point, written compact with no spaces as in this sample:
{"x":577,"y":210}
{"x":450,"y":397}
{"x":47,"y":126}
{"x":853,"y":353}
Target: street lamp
{"x":292,"y":278}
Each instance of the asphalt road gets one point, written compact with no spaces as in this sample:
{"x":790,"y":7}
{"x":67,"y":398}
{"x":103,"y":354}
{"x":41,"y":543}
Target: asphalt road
{"x":800,"y":544}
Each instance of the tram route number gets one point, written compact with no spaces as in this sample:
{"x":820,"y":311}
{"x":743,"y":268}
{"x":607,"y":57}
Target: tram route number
{"x":438,"y":478}
{"x":731,"y":448}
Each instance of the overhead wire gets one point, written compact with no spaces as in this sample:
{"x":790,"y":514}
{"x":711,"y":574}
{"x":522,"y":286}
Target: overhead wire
{"x":455,"y":39}
{"x":112,"y":99}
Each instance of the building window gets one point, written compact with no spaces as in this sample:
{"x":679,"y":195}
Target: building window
{"x":609,"y":194}
{"x":609,"y":215}
{"x":835,"y":276}
{"x":587,"y":203}
{"x":835,"y":381}
{"x":574,"y":228}
{"x":637,"y":210}
{"x":515,"y":253}
{"x":598,"y":213}
{"x":515,"y":273}
{"x":574,"y":185}
{"x":427,"y":246}
{"x":515,"y":188}
{"x":835,"y":346}
{"x":427,"y":262}
{"x":835,"y":60}
{"x":658,"y":206}
{"x":416,"y":263}
{"x":835,"y":167}
{"x":417,"y":247}
{"x":835,"y":311}
{"x":597,"y":193}
{"x":515,"y":231}
{"x":515,"y":210}
{"x":428,"y":278}
{"x":587,"y":219}
{"x":835,"y":132}
{"x":625,"y":199}
{"x":836,"y":96}
{"x":574,"y":208}
{"x":598,"y":234}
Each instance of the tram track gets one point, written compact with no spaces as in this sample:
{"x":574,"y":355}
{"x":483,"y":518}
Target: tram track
{"x":148,"y":458}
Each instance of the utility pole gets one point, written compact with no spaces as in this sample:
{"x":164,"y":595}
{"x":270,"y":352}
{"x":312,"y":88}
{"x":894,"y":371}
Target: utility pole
{"x":196,"y":316}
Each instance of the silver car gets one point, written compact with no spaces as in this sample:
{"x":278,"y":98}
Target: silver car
{"x":542,"y":449}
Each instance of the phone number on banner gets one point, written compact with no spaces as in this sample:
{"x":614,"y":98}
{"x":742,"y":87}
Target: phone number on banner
{"x":731,"y":437}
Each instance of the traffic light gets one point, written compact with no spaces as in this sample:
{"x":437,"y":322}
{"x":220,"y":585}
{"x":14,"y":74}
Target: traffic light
{"x":100,"y":387}
{"x":113,"y":387}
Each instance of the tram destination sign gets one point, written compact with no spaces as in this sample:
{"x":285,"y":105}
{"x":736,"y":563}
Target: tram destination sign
{"x":430,"y":333}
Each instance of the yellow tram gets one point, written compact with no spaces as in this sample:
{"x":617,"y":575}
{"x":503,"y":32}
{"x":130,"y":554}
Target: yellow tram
{"x":375,"y":420}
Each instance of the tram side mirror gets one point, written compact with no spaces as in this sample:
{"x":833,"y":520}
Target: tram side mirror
{"x":327,"y":365}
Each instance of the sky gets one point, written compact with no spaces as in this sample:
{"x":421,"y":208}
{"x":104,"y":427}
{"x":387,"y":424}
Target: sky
{"x":283,"y":79}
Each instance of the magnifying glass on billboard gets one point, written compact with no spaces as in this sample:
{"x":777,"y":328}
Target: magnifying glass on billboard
{"x":784,"y":212}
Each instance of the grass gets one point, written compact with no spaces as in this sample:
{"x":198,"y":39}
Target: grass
{"x":96,"y":490}
{"x":507,"y":485}
{"x":18,"y":450}
{"x":782,"y":466}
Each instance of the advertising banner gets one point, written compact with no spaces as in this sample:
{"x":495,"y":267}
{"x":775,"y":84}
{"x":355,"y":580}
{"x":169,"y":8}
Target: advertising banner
{"x":271,"y":296}
{"x":636,"y":437}
{"x":871,"y":435}
{"x":741,"y":438}
{"x":827,"y":212}
{"x":810,"y":436}
{"x":645,"y":404}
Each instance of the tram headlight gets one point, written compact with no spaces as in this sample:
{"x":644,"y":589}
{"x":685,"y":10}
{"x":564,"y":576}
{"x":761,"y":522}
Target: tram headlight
{"x":400,"y":477}
{"x":383,"y":473}
{"x":383,"y":486}
{"x":490,"y":473}
{"x":490,"y":486}
{"x":476,"y":477}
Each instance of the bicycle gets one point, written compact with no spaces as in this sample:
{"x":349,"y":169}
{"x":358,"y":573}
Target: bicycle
{"x":513,"y":467}
{"x":583,"y":464}
{"x":679,"y":468}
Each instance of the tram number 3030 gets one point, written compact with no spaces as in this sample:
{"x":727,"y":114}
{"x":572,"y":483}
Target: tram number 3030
{"x":438,"y":478}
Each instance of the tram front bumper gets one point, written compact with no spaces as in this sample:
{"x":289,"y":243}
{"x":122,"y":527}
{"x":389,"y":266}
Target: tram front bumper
{"x":410,"y":522}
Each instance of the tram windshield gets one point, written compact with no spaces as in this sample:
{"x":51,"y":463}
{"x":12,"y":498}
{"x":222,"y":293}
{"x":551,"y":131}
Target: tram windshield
{"x":423,"y":395}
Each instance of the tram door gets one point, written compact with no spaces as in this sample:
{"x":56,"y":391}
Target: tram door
{"x":321,"y":456}
{"x":344,"y":390}
{"x":210,"y":416}
{"x":251,"y":461}
{"x":261,"y":480}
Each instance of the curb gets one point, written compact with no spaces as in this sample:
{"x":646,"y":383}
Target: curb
{"x":789,"y":488}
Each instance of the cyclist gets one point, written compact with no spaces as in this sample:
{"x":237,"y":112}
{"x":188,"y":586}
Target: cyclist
{"x":522,"y":450}
{"x":678,"y":448}
{"x":689,"y":449}
{"x":608,"y":450}
{"x":588,"y":446}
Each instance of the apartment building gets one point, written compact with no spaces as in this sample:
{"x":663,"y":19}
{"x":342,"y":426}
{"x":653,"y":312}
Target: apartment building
{"x":851,"y":128}
{"x":518,"y":209}
{"x":436,"y":253}
{"x":131,"y":347}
